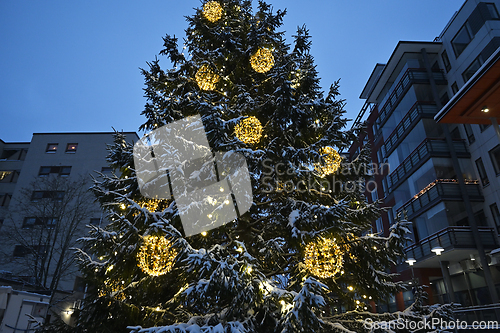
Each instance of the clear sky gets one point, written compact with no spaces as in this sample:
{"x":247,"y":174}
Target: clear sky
{"x":73,"y":66}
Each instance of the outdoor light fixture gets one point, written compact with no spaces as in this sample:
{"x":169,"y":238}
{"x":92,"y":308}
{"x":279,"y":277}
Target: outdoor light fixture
{"x":472,"y":257}
{"x":411,"y":261}
{"x":485,"y":109}
{"x":437,"y":250}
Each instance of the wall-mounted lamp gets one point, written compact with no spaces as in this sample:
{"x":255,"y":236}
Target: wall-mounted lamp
{"x":437,"y":250}
{"x":411,"y":261}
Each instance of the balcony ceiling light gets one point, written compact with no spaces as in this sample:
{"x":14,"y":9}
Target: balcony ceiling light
{"x":411,"y":261}
{"x":485,"y":109}
{"x":437,"y":250}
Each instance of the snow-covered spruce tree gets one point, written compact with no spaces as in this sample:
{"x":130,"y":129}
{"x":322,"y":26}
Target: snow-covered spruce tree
{"x":301,"y":255}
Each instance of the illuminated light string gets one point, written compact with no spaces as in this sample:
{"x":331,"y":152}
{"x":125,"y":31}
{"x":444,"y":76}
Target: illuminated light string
{"x":156,"y":256}
{"x":249,"y":130}
{"x":212,"y":11}
{"x":331,"y":162}
{"x":437,"y":181}
{"x":206,"y":78}
{"x":262,"y":60}
{"x":323,"y":258}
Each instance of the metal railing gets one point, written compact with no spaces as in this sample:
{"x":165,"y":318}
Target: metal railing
{"x":428,"y":148}
{"x":412,"y":75}
{"x":418,"y":111}
{"x":451,"y":238}
{"x":440,"y":190}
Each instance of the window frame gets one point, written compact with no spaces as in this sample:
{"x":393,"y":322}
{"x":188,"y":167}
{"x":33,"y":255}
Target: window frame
{"x":71,"y":148}
{"x":466,"y":75}
{"x":446,"y":61}
{"x":495,"y":162}
{"x":481,"y":171}
{"x":495,"y":213}
{"x":459,"y":51}
{"x":51,"y":148}
{"x":59,"y":170}
{"x":54,"y":195}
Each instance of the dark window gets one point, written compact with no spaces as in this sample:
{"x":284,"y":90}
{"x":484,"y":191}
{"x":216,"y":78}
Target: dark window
{"x":444,"y":99}
{"x":106,"y":169}
{"x":454,"y":88}
{"x":482,"y":127}
{"x":469,"y":133}
{"x":492,"y":9}
{"x":446,"y":61}
{"x":51,"y":148}
{"x":95,"y":221}
{"x":59,"y":170}
{"x":5,"y":199}
{"x":48,"y":222}
{"x":496,"y":215}
{"x":29,"y":222}
{"x":482,"y":172}
{"x":472,"y":69}
{"x":495,"y":158}
{"x":79,"y":284}
{"x":461,"y":40}
{"x":54,"y":195}
{"x":455,"y":134}
{"x":71,"y":147}
{"x":21,"y":251}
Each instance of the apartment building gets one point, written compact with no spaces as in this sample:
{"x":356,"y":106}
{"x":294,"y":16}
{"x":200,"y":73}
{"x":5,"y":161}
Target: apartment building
{"x":34,"y":178}
{"x":441,"y":177}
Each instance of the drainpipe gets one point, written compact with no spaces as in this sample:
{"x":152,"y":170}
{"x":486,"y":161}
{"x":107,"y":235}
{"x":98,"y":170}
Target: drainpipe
{"x":465,"y":196}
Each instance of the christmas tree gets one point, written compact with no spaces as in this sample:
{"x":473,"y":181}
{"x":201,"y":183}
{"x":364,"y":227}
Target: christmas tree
{"x":302,"y":257}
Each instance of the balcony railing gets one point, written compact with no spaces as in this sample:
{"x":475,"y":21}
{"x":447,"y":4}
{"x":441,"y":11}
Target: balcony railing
{"x":428,"y":148}
{"x":412,"y":75}
{"x":451,"y":238}
{"x":418,"y":111}
{"x":440,"y":190}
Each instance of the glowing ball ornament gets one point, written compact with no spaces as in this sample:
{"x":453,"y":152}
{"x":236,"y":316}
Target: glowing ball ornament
{"x":331,"y":162}
{"x":248,"y":130}
{"x":206,"y":78}
{"x":156,"y":256}
{"x":262,"y":60}
{"x":323,"y":258}
{"x":212,"y":11}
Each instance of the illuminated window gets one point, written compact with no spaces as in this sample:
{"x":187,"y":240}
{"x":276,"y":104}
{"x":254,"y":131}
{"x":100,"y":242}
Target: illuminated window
{"x":5,"y":176}
{"x":51,"y":148}
{"x":71,"y":147}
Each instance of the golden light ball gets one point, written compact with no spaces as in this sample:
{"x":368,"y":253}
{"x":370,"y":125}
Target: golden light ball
{"x":212,"y":11}
{"x":156,"y":255}
{"x":249,"y":130}
{"x":262,"y":60}
{"x":323,"y":258}
{"x":331,"y":161}
{"x":206,"y":78}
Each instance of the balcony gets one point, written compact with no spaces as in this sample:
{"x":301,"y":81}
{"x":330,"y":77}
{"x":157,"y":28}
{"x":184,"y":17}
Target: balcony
{"x":411,"y":76}
{"x":440,"y":190}
{"x":427,"y":149}
{"x":418,"y":111}
{"x":451,"y":238}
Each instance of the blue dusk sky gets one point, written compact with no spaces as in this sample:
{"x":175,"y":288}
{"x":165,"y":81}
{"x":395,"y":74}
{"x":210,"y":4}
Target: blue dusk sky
{"x":73,"y":66}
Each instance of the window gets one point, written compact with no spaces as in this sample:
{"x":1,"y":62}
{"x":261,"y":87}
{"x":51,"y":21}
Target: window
{"x":71,"y":147}
{"x":379,"y":225}
{"x":79,"y":285}
{"x":496,"y":215}
{"x":495,"y":158}
{"x":58,"y":170}
{"x":493,"y":11}
{"x":5,"y":199}
{"x":30,"y":222}
{"x":482,"y":127}
{"x":469,"y":133}
{"x":472,"y":69}
{"x":13,"y":154}
{"x":446,"y":61}
{"x":106,"y":170}
{"x":4,"y":176}
{"x":454,"y":88}
{"x":95,"y":221}
{"x":51,"y":148}
{"x":455,"y":134}
{"x":444,"y":99}
{"x":54,"y":195}
{"x":21,"y":251}
{"x":482,"y":172}
{"x":461,"y":40}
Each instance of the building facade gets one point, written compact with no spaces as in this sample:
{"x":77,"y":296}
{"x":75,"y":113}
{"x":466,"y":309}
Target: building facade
{"x":45,"y":205}
{"x":441,"y":177}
